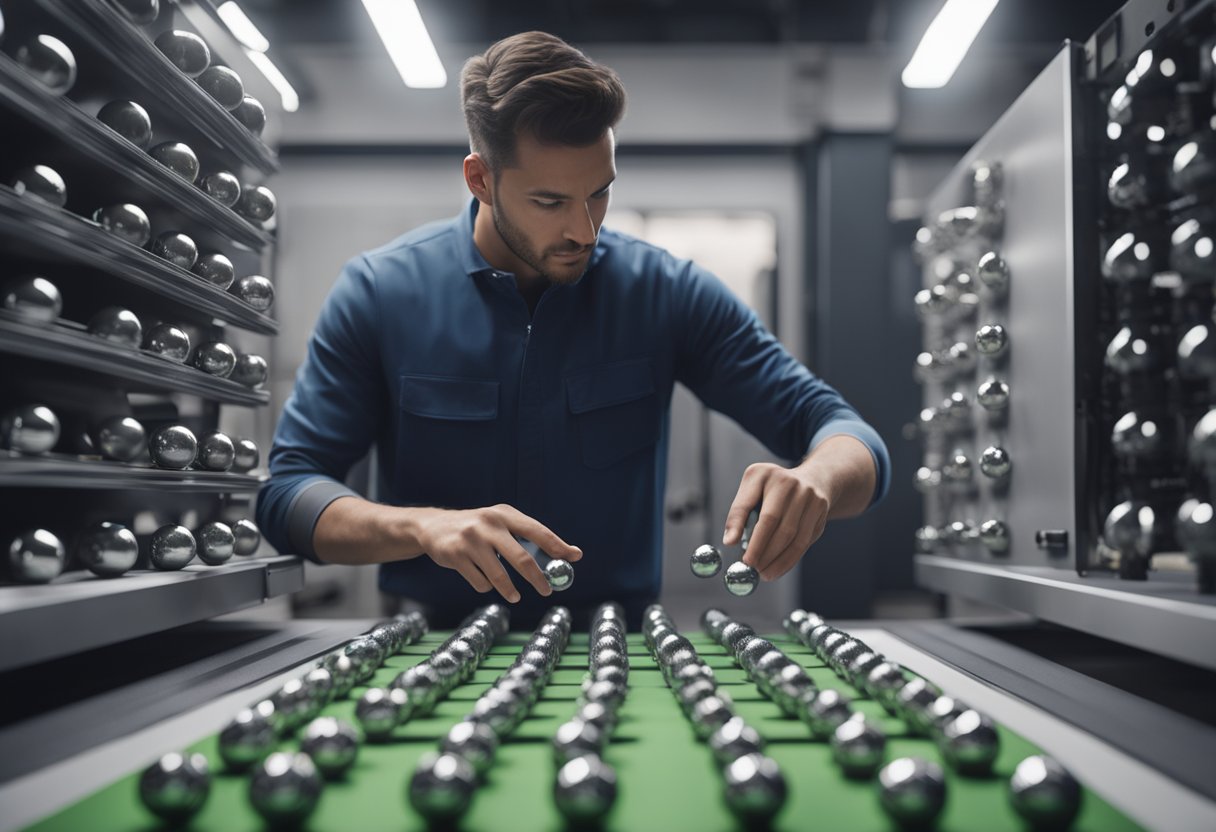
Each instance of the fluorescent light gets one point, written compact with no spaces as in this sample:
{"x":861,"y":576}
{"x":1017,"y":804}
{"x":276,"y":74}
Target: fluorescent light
{"x":291,"y":101}
{"x":945,"y":43}
{"x":242,"y":27}
{"x":400,"y":26}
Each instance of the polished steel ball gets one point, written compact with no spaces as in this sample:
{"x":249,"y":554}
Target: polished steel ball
{"x":993,"y":395}
{"x":710,"y":714}
{"x":957,"y":469}
{"x":1137,"y":437}
{"x":734,"y":739}
{"x":216,"y":269}
{"x":221,"y":186}
{"x":177,"y":157}
{"x":215,"y":452}
{"x":1202,"y":449}
{"x":1131,"y":352}
{"x":913,"y":704}
{"x":381,"y":710}
{"x":995,"y":536}
{"x":956,"y":410}
{"x":106,"y":549}
{"x":49,"y":61}
{"x":42,"y":182}
{"x":256,"y":291}
{"x":912,"y":791}
{"x":245,"y":455}
{"x":927,"y":539}
{"x":129,"y":120}
{"x":214,"y":357}
{"x":1195,"y":527}
{"x":33,"y":298}
{"x":285,"y":788}
{"x":962,"y":358}
{"x":1194,"y":165}
{"x":585,"y":790}
{"x":991,"y":340}
{"x":1197,"y":353}
{"x":927,"y":479}
{"x":970,"y":743}
{"x":344,"y":673}
{"x":367,"y":654}
{"x":177,"y":248}
{"x":995,"y":462}
{"x":559,"y":574}
{"x":1131,"y":528}
{"x":35,"y":556}
{"x":125,"y":221}
{"x":247,"y":739}
{"x":248,"y":537}
{"x":884,"y":682}
{"x":121,"y":326}
{"x":1193,"y":249}
{"x":222,"y":84}
{"x":933,"y":366}
{"x":121,"y":438}
{"x":741,"y":579}
{"x":825,"y":711}
{"x":993,"y":272}
{"x":293,"y":706}
{"x":251,"y":114}
{"x":185,"y":50}
{"x":250,"y":370}
{"x":935,"y":301}
{"x":173,"y":447}
{"x":1128,"y":187}
{"x":754,"y":788}
{"x":706,"y":561}
{"x":216,"y":543}
{"x":858,"y":747}
{"x":474,"y":741}
{"x":139,"y":12}
{"x":171,"y":547}
{"x":257,"y":202}
{"x":30,"y":429}
{"x":169,"y":342}
{"x":576,"y":738}
{"x":1128,"y":259}
{"x":1044,"y":793}
{"x":441,"y":787}
{"x":333,"y":745}
{"x":942,"y":712}
{"x":176,"y":786}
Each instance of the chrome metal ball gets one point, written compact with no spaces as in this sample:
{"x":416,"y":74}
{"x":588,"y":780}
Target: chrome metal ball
{"x":1202,"y":449}
{"x":251,"y":114}
{"x":993,"y":272}
{"x":824,"y":711}
{"x":1194,"y":165}
{"x":706,"y":561}
{"x":1137,"y":437}
{"x":171,"y":547}
{"x":734,"y":739}
{"x":215,"y":452}
{"x":927,"y":479}
{"x":216,"y":269}
{"x":245,"y":456}
{"x":913,"y":704}
{"x":993,"y":395}
{"x":249,"y":370}
{"x":381,"y":710}
{"x":49,"y":61}
{"x":176,"y":786}
{"x":256,"y":291}
{"x":991,"y":340}
{"x":177,"y":157}
{"x":221,"y":186}
{"x":121,"y":326}
{"x":222,"y":84}
{"x":755,"y":788}
{"x":333,"y":745}
{"x":1128,"y":188}
{"x":1197,"y":353}
{"x":995,"y":462}
{"x":995,"y":536}
{"x":247,"y":739}
{"x":129,"y":120}
{"x":970,"y":743}
{"x":858,"y":747}
{"x":177,"y":248}
{"x":214,"y":357}
{"x":1195,"y":527}
{"x":559,"y":574}
{"x":35,"y":556}
{"x":257,"y":202}
{"x":121,"y":438}
{"x":30,"y":429}
{"x":474,"y":741}
{"x":34,"y":298}
{"x":174,"y":447}
{"x":1131,"y":528}
{"x":248,"y":537}
{"x":585,"y":790}
{"x":169,"y":342}
{"x":285,"y":788}
{"x":927,"y":540}
{"x":1128,"y":259}
{"x":125,"y":221}
{"x":1131,"y":352}
{"x":139,"y":12}
{"x":912,"y":791}
{"x":441,"y":787}
{"x":185,"y":50}
{"x":216,"y":543}
{"x":106,"y":549}
{"x":957,"y":470}
{"x":741,"y":579}
{"x":42,"y":182}
{"x":1044,"y":793}
{"x":1193,"y":249}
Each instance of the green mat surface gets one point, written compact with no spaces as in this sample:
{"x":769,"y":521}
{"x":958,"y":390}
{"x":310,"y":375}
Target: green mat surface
{"x":667,"y":779}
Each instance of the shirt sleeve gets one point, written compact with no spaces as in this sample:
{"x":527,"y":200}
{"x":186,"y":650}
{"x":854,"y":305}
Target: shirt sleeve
{"x":735,"y":366}
{"x":331,"y":418}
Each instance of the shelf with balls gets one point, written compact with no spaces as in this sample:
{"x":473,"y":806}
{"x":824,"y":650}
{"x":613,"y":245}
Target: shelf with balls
{"x":66,"y":471}
{"x":165,"y":71}
{"x":43,"y":232}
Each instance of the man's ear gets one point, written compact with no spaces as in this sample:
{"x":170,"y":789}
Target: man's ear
{"x":479,"y":179}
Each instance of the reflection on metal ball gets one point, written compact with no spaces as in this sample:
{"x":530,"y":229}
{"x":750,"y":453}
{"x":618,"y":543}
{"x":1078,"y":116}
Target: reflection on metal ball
{"x":257,"y":202}
{"x":30,"y":429}
{"x":173,"y":447}
{"x":250,"y":370}
{"x":222,"y":84}
{"x":185,"y":50}
{"x":119,"y":325}
{"x":214,"y":357}
{"x":126,"y":221}
{"x":216,"y":269}
{"x":252,"y":114}
{"x":106,"y":549}
{"x":221,"y":186}
{"x":1137,"y":437}
{"x":49,"y":61}
{"x":993,"y":395}
{"x":215,"y":452}
{"x":177,"y":248}
{"x":177,"y":157}
{"x":121,"y":438}
{"x":169,"y":342}
{"x":256,"y":291}
{"x":129,"y":120}
{"x":216,"y":543}
{"x":247,"y":537}
{"x":33,"y":298}
{"x":246,"y":456}
{"x":42,"y":182}
{"x":1131,"y":528}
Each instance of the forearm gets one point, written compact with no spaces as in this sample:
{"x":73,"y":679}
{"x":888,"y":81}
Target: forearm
{"x":844,"y":468}
{"x":352,"y":531}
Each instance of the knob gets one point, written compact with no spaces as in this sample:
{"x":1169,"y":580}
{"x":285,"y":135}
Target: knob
{"x":1131,"y":528}
{"x":993,"y":395}
{"x":995,"y":462}
{"x":991,"y":340}
{"x":993,"y":272}
{"x":1137,"y":437}
{"x":994,"y":534}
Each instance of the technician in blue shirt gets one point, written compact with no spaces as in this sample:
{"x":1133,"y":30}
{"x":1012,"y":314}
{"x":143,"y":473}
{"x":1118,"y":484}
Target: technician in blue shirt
{"x":513,"y":368}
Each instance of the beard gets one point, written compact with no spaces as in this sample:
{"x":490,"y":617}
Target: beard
{"x":518,"y":243}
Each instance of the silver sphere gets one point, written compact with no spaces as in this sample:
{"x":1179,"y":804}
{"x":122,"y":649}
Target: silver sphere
{"x":185,"y":50}
{"x":171,"y":547}
{"x":1129,"y":353}
{"x":177,"y":248}
{"x":121,"y":438}
{"x":957,"y":469}
{"x":35,"y":557}
{"x":1202,"y":448}
{"x":755,"y":788}
{"x":285,"y":788}
{"x":474,"y":741}
{"x":576,"y":738}
{"x":991,"y":340}
{"x":559,"y":574}
{"x":216,"y":269}
{"x":585,"y":789}
{"x":177,"y":157}
{"x":933,"y":366}
{"x":222,"y":84}
{"x":1195,"y":527}
{"x":1128,"y":187}
{"x":1194,"y":165}
{"x":912,"y":791}
{"x":251,"y":114}
{"x":247,"y":739}
{"x":49,"y":61}
{"x":970,"y":743}
{"x":248,"y":537}
{"x":176,"y":786}
{"x":826,"y":711}
{"x":249,"y":370}
{"x":1128,"y":259}
{"x":125,"y":221}
{"x":734,"y":739}
{"x":215,"y":452}
{"x":995,"y":462}
{"x":173,"y":447}
{"x":121,"y":326}
{"x":381,"y":710}
{"x":1136,"y":437}
{"x":995,"y":536}
{"x":221,"y":186}
{"x":257,"y":203}
{"x":107,"y":549}
{"x":129,"y":120}
{"x":442,"y":787}
{"x":962,"y":358}
{"x":30,"y":429}
{"x":1192,"y":252}
{"x":987,"y":180}
{"x":858,"y":747}
{"x":913,"y":703}
{"x":1044,"y":793}
{"x":993,"y":272}
{"x":927,"y":479}
{"x":256,"y":291}
{"x":1131,"y":528}
{"x":245,"y":456}
{"x":993,"y":395}
{"x":42,"y":182}
{"x":216,"y":543}
{"x":169,"y":342}
{"x":34,"y":299}
{"x":706,"y":561}
{"x":1197,"y":353}
{"x":741,"y":579}
{"x":927,"y":539}
{"x":215,"y":358}
{"x":333,"y":745}
{"x":934,"y":301}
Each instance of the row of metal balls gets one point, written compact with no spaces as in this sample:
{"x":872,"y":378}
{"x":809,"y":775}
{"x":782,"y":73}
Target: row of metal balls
{"x":913,"y":791}
{"x":754,"y":787}
{"x":37,"y":556}
{"x":443,"y":783}
{"x":35,"y":429}
{"x":284,"y":787}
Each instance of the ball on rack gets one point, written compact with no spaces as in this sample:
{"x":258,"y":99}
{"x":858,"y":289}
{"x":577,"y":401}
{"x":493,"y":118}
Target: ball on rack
{"x":247,"y":739}
{"x":177,"y":157}
{"x":221,"y":186}
{"x":755,"y":789}
{"x":257,"y":203}
{"x":35,"y":556}
{"x":125,"y":221}
{"x":858,"y":747}
{"x":118,"y":325}
{"x":250,"y":370}
{"x":185,"y":50}
{"x":912,"y":791}
{"x":585,"y":789}
{"x":216,"y":543}
{"x":215,"y":358}
{"x":106,"y":549}
{"x":248,"y":537}
{"x":256,"y":291}
{"x":129,"y":120}
{"x":42,"y":182}
{"x":216,"y":269}
{"x":171,"y":547}
{"x":33,"y":298}
{"x":168,"y":341}
{"x":251,"y":114}
{"x":222,"y":84}
{"x":285,"y":788}
{"x":30,"y":429}
{"x":442,"y":787}
{"x":176,"y":786}
{"x":246,"y":456}
{"x":333,"y":745}
{"x":174,"y":447}
{"x":1044,"y":793}
{"x":215,"y":452}
{"x":176,"y":247}
{"x":139,"y":11}
{"x":49,"y":61}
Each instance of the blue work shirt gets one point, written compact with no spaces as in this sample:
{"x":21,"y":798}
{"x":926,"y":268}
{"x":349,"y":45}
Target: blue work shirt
{"x":427,"y":352}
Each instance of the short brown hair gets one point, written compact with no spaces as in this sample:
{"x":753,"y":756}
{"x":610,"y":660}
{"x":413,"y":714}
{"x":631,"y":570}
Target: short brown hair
{"x":538,"y":84}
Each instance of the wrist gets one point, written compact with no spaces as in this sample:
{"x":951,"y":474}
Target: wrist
{"x":407,"y":526}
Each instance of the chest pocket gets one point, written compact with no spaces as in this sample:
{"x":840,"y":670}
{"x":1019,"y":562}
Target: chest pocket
{"x":615,"y":410}
{"x":447,"y":439}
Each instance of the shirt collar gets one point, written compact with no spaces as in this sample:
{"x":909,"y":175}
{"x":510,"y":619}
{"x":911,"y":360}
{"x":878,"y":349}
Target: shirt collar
{"x":472,"y":260}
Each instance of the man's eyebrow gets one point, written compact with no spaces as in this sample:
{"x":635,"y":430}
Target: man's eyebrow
{"x":543,"y":194}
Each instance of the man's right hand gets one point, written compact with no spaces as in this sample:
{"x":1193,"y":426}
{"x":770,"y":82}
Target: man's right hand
{"x":470,"y":541}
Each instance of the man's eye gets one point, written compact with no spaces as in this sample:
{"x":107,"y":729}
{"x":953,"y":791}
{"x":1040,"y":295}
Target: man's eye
{"x":547,"y":203}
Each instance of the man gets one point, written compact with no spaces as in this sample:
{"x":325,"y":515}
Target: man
{"x":514,"y":369}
